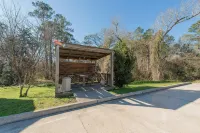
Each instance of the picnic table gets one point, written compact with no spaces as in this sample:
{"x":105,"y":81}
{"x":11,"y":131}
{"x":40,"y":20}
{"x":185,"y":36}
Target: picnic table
{"x":84,"y":76}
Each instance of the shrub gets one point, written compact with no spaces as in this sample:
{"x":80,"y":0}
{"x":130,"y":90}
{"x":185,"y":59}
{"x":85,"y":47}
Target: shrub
{"x":180,"y":69}
{"x":123,"y":64}
{"x":7,"y":76}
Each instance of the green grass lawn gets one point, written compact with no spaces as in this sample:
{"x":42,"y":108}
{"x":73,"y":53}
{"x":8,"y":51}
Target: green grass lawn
{"x":142,"y":85}
{"x":196,"y":81}
{"x":39,"y":97}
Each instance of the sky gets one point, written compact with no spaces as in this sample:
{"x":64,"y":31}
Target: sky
{"x":91,"y":16}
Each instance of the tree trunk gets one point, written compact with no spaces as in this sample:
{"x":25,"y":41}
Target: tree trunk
{"x":46,"y":63}
{"x":155,"y":58}
{"x":26,"y":93}
{"x":51,"y":60}
{"x":21,"y":91}
{"x":148,"y":60}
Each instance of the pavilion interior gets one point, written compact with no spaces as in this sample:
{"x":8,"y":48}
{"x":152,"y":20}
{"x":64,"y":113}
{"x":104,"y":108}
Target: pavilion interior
{"x":82,"y":64}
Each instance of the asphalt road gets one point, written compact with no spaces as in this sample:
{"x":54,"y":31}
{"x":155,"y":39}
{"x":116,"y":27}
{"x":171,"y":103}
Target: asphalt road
{"x":175,"y":110}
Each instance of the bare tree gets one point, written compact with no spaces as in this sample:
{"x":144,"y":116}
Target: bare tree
{"x":165,"y":22}
{"x":19,"y":45}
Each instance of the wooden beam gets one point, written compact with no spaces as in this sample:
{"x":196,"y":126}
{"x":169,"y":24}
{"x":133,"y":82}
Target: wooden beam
{"x":77,"y":46}
{"x":68,"y":51}
{"x":57,"y":71}
{"x":79,"y":57}
{"x":83,"y":56}
{"x":86,"y":48}
{"x":112,"y":69}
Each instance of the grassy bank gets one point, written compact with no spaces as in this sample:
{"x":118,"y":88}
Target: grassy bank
{"x":39,"y":97}
{"x":196,"y":81}
{"x":142,"y":85}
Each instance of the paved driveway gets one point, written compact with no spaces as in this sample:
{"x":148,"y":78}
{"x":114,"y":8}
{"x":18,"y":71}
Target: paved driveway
{"x":175,"y":110}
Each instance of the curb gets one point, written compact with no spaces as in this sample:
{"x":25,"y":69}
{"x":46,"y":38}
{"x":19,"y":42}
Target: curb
{"x":68,"y":107}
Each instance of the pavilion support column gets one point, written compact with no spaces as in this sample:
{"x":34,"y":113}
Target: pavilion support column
{"x":112,"y":69}
{"x":57,"y":71}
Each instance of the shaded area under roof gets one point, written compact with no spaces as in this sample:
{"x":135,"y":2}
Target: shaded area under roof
{"x":76,"y":51}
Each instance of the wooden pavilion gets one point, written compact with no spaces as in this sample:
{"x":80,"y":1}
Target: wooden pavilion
{"x":75,"y":59}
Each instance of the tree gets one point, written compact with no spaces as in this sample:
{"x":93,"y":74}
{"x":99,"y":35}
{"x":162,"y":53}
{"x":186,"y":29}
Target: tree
{"x":195,"y":28}
{"x":107,"y":38}
{"x":148,"y":34}
{"x":123,"y":64}
{"x":44,"y":13}
{"x":155,"y":57}
{"x":194,"y":37}
{"x":63,"y":32}
{"x":166,"y":21}
{"x":52,"y":26}
{"x":19,"y":46}
{"x":28,"y":57}
{"x":7,"y":75}
{"x":138,"y":33}
{"x":183,"y":61}
{"x":93,"y":40}
{"x":140,"y":48}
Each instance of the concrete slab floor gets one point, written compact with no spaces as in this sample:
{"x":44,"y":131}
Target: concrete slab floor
{"x":87,"y":93}
{"x":176,"y":110}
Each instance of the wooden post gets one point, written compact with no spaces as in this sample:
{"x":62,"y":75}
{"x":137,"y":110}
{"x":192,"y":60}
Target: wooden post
{"x":112,"y":69}
{"x":57,"y":70}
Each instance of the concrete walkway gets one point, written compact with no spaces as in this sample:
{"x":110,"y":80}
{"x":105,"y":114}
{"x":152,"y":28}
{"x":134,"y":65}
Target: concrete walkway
{"x":176,"y":110}
{"x":88,"y":93}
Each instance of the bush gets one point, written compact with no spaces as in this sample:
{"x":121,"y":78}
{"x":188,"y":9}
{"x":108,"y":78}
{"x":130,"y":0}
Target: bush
{"x":180,"y":69}
{"x":7,"y":76}
{"x":123,"y":65}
